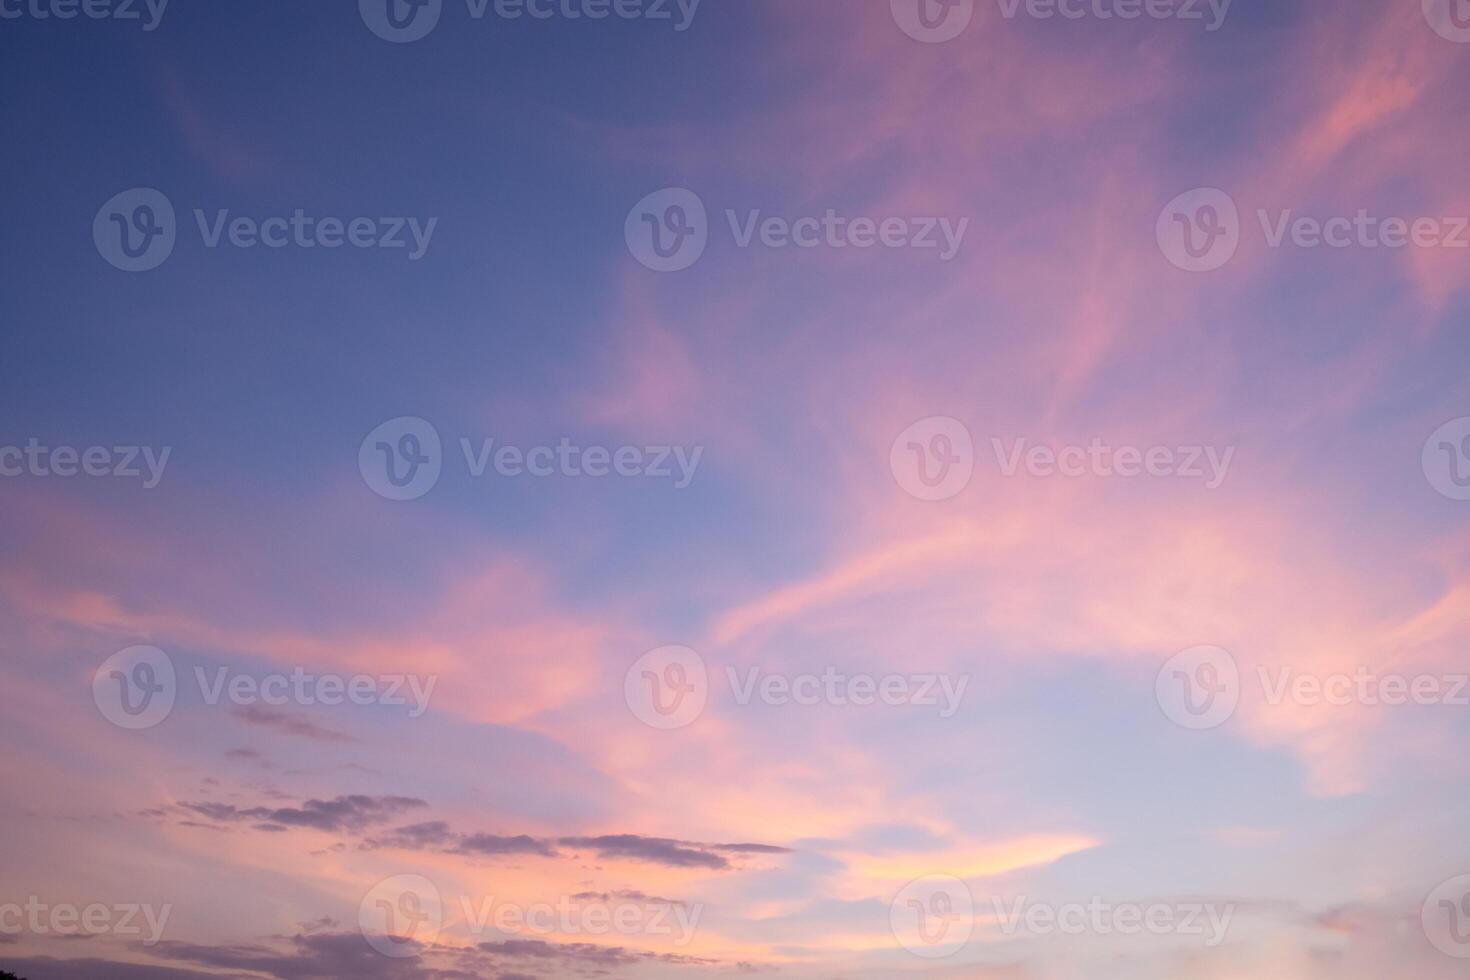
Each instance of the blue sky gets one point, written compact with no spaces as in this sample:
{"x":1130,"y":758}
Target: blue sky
{"x":783,"y":459}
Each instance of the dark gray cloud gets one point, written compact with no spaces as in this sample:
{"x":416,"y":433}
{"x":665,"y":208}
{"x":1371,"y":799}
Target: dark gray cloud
{"x":538,"y":949}
{"x":347,"y":956}
{"x":748,"y":848}
{"x":358,"y":813}
{"x":417,"y":837}
{"x":625,"y":895}
{"x":662,"y":850}
{"x":46,"y":968}
{"x":437,"y":836}
{"x":345,"y":813}
{"x":289,"y":724}
{"x":492,"y":844}
{"x":584,"y":953}
{"x":324,"y":956}
{"x":656,"y":850}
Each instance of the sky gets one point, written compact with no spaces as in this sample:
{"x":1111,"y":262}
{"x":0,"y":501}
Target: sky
{"x":833,"y":490}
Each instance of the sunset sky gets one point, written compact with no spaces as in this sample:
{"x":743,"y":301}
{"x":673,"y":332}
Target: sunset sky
{"x":865,"y":618}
